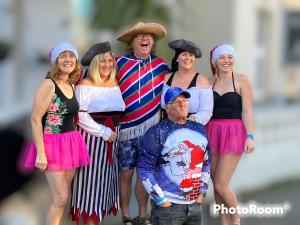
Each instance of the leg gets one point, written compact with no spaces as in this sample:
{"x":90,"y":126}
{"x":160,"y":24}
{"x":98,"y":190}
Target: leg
{"x":59,"y":185}
{"x":125,"y":190}
{"x":223,"y":172}
{"x":195,"y":214}
{"x":141,"y":196}
{"x":176,"y":214}
{"x":223,"y":217}
{"x":127,"y":161}
{"x":140,"y":191}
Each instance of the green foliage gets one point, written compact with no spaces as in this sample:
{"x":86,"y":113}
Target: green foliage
{"x":116,"y":14}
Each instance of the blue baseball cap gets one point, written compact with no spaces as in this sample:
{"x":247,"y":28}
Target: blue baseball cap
{"x":173,"y":92}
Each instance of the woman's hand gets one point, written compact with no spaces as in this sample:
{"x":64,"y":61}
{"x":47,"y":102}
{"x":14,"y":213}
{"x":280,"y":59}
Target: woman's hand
{"x":41,"y":161}
{"x":112,"y":137}
{"x":249,"y":145}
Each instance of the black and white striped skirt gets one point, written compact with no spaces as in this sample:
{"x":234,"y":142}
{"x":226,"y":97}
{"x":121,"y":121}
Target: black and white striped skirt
{"x":95,"y":188}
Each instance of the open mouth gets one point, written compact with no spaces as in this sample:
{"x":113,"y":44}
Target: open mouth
{"x":144,"y":45}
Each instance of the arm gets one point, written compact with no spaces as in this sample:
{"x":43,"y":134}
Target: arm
{"x":247,"y":113}
{"x":86,"y":122}
{"x":41,"y":103}
{"x":147,"y":160}
{"x":206,"y":101}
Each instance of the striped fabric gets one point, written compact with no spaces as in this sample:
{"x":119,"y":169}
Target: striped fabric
{"x":95,"y":189}
{"x":141,"y":82}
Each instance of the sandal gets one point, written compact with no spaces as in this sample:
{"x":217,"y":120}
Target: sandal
{"x":126,"y":220}
{"x":144,"y":220}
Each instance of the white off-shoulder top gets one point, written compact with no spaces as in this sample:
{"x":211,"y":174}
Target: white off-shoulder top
{"x":201,"y":102}
{"x":97,"y":99}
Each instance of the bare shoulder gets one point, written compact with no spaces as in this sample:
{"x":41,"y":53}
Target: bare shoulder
{"x":46,"y":89}
{"x":86,"y":81}
{"x":167,"y":76}
{"x":242,"y":79}
{"x":47,"y":85}
{"x":202,"y":80}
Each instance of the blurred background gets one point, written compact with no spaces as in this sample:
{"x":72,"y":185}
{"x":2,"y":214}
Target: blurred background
{"x":266,"y":34}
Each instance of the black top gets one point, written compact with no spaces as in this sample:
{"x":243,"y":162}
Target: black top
{"x":192,"y":84}
{"x":61,"y":113}
{"x":228,"y":105}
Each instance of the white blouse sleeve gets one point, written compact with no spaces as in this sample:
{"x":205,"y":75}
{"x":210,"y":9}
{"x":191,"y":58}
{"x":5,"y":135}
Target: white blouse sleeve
{"x":86,"y":122}
{"x":206,"y":104}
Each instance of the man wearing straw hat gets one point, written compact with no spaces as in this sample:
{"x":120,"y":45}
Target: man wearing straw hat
{"x":141,"y":76}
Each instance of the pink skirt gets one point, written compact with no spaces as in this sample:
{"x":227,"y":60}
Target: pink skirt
{"x":226,"y":136}
{"x":63,"y":151}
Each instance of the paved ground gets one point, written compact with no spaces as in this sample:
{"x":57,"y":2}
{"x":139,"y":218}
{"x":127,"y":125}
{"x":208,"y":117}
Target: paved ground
{"x":29,"y":206}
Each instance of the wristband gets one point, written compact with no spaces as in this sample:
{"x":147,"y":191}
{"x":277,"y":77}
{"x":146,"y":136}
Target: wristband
{"x":160,"y":200}
{"x":251,"y":136}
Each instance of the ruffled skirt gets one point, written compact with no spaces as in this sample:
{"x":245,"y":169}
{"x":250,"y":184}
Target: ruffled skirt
{"x":64,"y":151}
{"x":226,"y":136}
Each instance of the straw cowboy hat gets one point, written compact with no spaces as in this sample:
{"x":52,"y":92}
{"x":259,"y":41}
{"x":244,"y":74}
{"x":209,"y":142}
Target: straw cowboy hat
{"x":157,"y":30}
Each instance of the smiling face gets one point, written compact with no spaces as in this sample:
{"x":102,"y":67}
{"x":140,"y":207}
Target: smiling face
{"x":186,"y":60}
{"x":142,"y":45}
{"x":105,"y":65}
{"x":66,"y":62}
{"x":225,"y":63}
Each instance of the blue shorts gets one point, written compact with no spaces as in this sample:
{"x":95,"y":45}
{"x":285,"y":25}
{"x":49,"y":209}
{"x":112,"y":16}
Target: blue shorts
{"x":128,"y":153}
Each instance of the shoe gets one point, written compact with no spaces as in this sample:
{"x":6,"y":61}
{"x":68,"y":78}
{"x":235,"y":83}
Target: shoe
{"x":126,"y":220}
{"x":143,"y":220}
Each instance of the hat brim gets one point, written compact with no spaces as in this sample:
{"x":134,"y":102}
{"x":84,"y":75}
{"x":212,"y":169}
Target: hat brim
{"x":185,"y":45}
{"x":96,"y":49}
{"x":157,"y":30}
{"x":184,"y":93}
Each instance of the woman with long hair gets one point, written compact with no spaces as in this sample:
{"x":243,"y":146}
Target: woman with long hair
{"x":58,"y":149}
{"x":230,"y":130}
{"x":95,"y":190}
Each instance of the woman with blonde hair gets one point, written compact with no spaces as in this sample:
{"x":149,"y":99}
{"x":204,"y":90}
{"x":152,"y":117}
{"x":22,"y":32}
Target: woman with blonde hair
{"x":95,"y":190}
{"x":230,"y":130}
{"x":58,"y":149}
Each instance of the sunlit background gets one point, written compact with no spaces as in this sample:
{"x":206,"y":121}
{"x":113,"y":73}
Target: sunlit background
{"x":266,"y":34}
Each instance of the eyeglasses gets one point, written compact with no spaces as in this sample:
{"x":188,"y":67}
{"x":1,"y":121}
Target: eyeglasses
{"x":143,"y":36}
{"x":179,"y":102}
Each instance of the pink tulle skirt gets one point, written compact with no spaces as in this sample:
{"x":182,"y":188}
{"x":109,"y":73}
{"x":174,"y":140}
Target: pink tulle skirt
{"x":63,"y":151}
{"x":226,"y":136}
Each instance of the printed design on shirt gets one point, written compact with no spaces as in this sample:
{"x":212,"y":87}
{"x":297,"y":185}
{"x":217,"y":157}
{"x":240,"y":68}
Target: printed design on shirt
{"x":55,"y":115}
{"x":183,"y":160}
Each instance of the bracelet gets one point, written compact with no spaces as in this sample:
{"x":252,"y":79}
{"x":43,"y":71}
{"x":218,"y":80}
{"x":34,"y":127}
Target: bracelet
{"x":251,"y":136}
{"x":160,"y":200}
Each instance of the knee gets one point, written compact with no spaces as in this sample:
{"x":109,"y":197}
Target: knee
{"x":220,"y":188}
{"x":126,"y":176}
{"x":61,"y":198}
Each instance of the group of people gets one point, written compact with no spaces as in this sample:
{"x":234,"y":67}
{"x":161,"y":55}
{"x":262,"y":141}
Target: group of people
{"x":178,"y":128}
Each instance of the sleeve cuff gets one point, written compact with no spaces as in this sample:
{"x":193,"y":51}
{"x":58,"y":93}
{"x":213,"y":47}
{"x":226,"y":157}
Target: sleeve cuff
{"x":159,"y":201}
{"x":106,"y":133}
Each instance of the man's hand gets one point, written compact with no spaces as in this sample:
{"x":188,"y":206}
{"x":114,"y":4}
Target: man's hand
{"x":166,"y":204}
{"x":200,"y":198}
